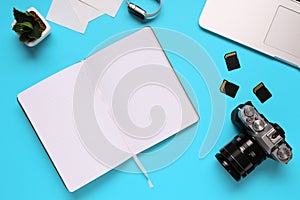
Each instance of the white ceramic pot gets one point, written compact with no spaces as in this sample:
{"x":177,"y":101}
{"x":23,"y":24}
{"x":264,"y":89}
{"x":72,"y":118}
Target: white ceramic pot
{"x":45,"y":33}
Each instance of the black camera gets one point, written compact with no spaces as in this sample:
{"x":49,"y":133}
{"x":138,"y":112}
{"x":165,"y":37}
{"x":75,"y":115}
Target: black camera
{"x":258,"y":139}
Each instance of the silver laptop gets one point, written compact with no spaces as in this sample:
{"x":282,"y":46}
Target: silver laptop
{"x":269,"y":26}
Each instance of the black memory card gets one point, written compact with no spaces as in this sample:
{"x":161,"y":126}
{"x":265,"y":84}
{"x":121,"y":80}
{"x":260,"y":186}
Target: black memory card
{"x":232,"y":61}
{"x":229,"y":88}
{"x":262,"y":93}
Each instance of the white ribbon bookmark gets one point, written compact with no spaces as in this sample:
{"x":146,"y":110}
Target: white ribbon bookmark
{"x":142,"y":168}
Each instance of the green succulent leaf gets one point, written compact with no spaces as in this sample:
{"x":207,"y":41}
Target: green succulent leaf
{"x":35,"y":33}
{"x":24,"y":37}
{"x":27,"y":25}
{"x":23,"y":16}
{"x":36,"y":24}
{"x":22,"y":28}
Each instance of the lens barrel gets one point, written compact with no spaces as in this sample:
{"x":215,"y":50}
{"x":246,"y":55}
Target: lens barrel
{"x":240,"y":156}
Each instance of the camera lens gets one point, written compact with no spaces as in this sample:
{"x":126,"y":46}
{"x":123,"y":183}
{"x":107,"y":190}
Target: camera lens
{"x":240,"y":156}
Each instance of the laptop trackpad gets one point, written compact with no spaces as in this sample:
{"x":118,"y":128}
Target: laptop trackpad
{"x":284,"y":32}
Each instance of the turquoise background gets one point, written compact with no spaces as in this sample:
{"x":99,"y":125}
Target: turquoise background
{"x":27,"y":172}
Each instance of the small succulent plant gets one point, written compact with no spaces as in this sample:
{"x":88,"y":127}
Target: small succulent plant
{"x":27,"y":26}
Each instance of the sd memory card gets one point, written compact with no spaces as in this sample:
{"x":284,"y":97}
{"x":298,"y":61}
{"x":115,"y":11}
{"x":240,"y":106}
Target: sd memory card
{"x":229,"y":88}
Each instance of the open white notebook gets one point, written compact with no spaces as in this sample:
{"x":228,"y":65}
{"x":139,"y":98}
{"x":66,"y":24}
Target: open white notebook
{"x":96,"y":114}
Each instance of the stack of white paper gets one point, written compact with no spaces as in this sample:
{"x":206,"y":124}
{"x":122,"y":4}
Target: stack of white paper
{"x":76,"y":14}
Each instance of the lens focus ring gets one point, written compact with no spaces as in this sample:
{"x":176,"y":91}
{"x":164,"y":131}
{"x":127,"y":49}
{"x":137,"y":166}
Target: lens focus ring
{"x":241,"y":156}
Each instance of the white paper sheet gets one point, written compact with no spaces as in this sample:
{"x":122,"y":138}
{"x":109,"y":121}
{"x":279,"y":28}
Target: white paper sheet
{"x":110,"y":7}
{"x":76,"y":14}
{"x":62,"y":13}
{"x":85,"y":12}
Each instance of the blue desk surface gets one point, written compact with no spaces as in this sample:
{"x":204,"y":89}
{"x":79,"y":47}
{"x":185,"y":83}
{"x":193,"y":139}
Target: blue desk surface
{"x":27,"y":172}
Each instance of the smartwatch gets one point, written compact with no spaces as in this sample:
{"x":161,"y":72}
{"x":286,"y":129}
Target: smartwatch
{"x":141,"y":13}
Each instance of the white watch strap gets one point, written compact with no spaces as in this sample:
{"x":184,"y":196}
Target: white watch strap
{"x":149,"y":15}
